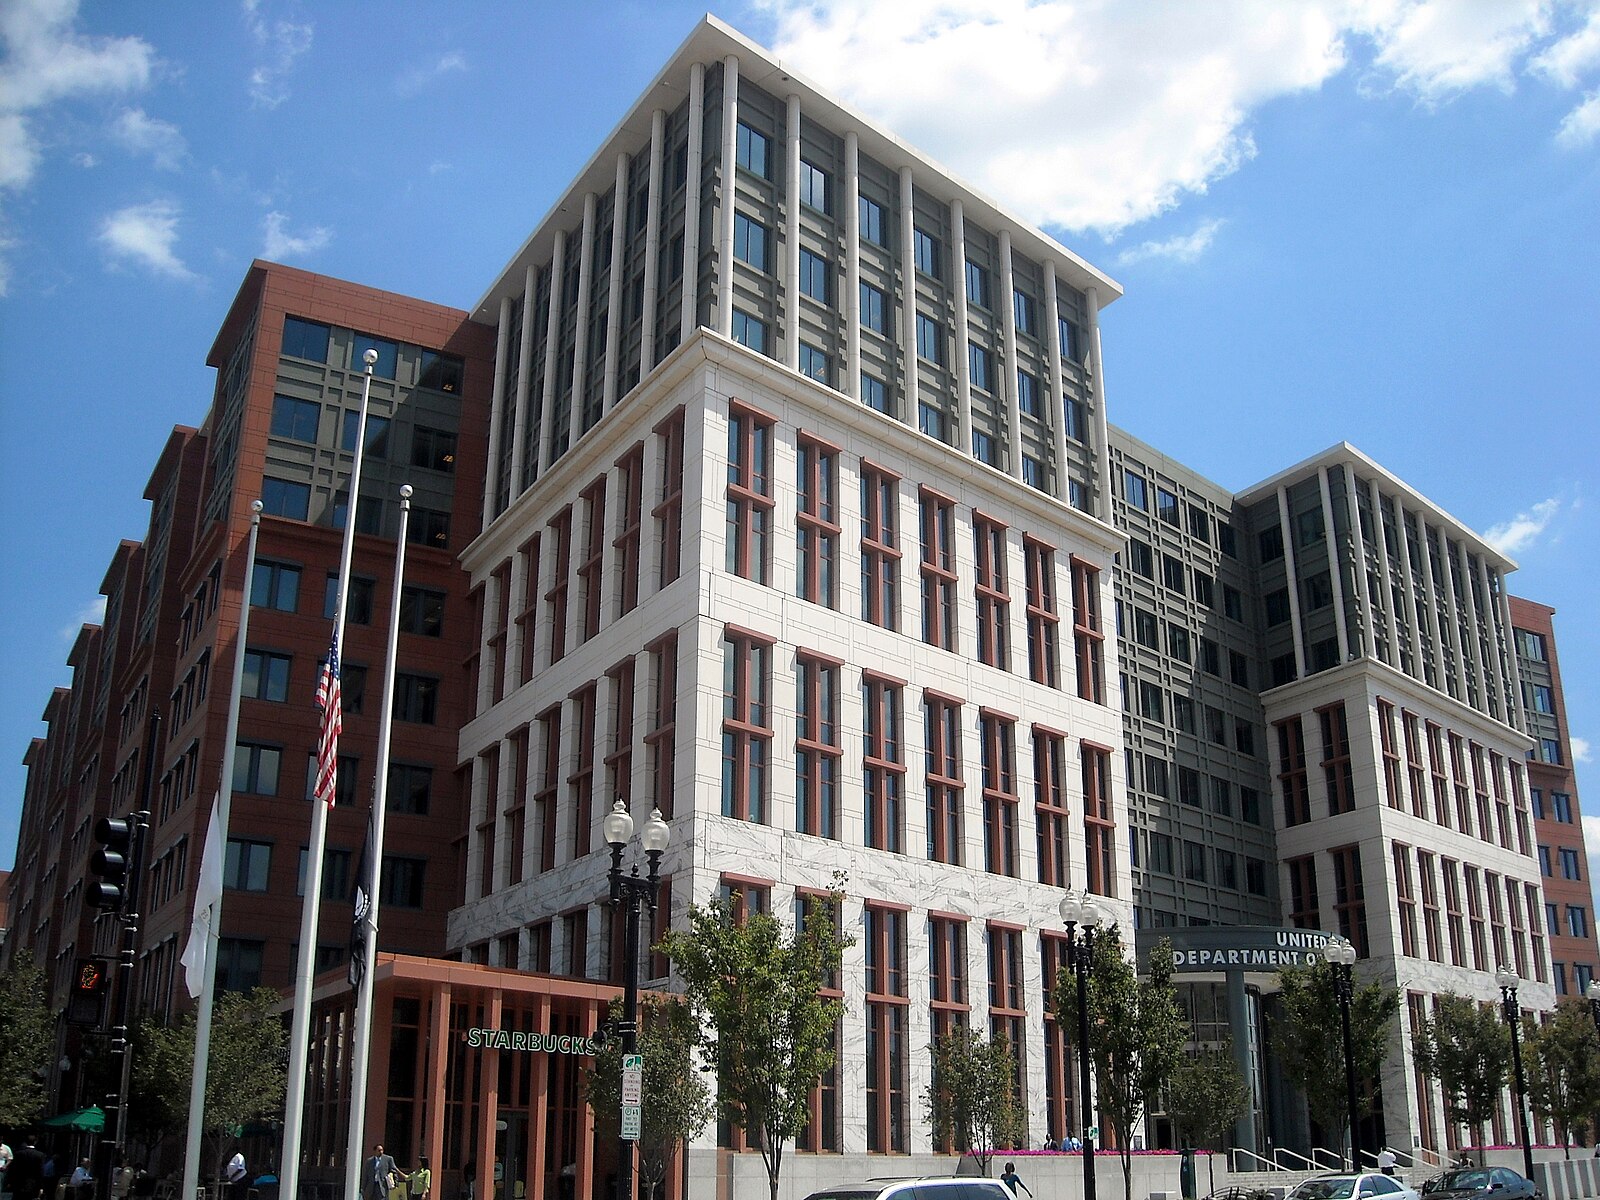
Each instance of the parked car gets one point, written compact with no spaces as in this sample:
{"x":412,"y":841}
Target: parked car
{"x":1469,"y":1183}
{"x":936,"y":1187}
{"x":1373,"y":1184}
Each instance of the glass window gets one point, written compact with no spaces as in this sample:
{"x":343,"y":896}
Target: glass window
{"x":752,"y":151}
{"x":873,"y":393}
{"x":246,"y":865}
{"x":814,"y":277}
{"x":813,"y":187}
{"x":814,"y":364}
{"x":978,"y":368}
{"x":873,"y":310}
{"x":750,"y":241}
{"x":1135,"y":490}
{"x":926,"y":248}
{"x":977,"y":285}
{"x":275,"y":585}
{"x":434,"y":449}
{"x":1027,"y":312}
{"x":930,"y":420}
{"x":749,"y":331}
{"x":439,"y":372}
{"x":1032,"y":472}
{"x":296,"y":420}
{"x":1166,"y":506}
{"x":305,"y":339}
{"x":930,"y":341}
{"x":1070,"y":342}
{"x":1028,"y":393}
{"x":422,"y":611}
{"x":871,"y":214}
{"x":388,"y":355}
{"x":377,"y":434}
{"x":266,"y":675}
{"x":983,"y":447}
{"x":281,"y":498}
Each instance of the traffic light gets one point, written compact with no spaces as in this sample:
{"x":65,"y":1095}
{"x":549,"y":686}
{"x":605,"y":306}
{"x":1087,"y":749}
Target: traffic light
{"x":113,"y":863}
{"x":91,"y":988}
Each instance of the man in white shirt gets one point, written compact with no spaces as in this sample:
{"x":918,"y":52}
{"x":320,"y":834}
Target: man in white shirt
{"x":1386,"y":1161}
{"x":238,"y":1177}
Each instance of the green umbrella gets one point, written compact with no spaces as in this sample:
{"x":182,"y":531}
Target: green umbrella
{"x":86,"y":1120}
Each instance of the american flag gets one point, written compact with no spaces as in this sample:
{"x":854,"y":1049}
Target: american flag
{"x":332,"y":725}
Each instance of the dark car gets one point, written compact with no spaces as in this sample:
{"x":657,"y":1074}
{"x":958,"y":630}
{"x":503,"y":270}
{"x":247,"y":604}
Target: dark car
{"x":1469,"y":1183}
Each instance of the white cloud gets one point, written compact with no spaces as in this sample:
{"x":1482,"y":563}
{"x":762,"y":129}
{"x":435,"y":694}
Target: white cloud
{"x":281,"y":44}
{"x":144,"y":134}
{"x":92,"y":613}
{"x":144,"y":234}
{"x":281,"y":244}
{"x":47,"y":61}
{"x":1565,"y":60}
{"x":85,"y":160}
{"x":1099,"y":114}
{"x":1521,"y":531}
{"x":1184,"y":248}
{"x":418,"y":78}
{"x":1580,"y":749}
{"x":1580,"y":126}
{"x":438,"y":167}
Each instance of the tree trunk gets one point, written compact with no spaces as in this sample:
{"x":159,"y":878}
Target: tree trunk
{"x":1126,"y":1155}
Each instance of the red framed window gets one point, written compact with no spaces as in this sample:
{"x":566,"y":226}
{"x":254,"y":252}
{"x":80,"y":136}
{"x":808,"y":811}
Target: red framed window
{"x":1458,"y":771}
{"x":591,"y":571}
{"x":749,"y":525}
{"x":943,"y":777}
{"x":883,"y":766}
{"x":516,"y":812}
{"x":500,"y":597}
{"x":746,"y":723}
{"x":1099,"y":825}
{"x":1430,"y":904}
{"x":1519,"y":799}
{"x":1060,"y":1082}
{"x":1416,"y":773}
{"x":823,"y":1131}
{"x":556,"y":598}
{"x":1502,"y":802}
{"x":1519,"y":933}
{"x":990,"y":591}
{"x":887,"y":1047}
{"x":630,"y":513}
{"x":997,"y":736}
{"x":662,"y":739}
{"x":1416,"y":1010}
{"x":473,"y":665}
{"x":1438,"y":775}
{"x":817,"y":521}
{"x":1304,"y":906}
{"x":528,"y":608}
{"x":619,"y":754}
{"x":947,"y":972}
{"x":1391,"y":755}
{"x":1044,"y":658}
{"x":1454,"y":913}
{"x":668,"y":510}
{"x":1007,"y":1015}
{"x":488,"y":820}
{"x":1406,"y":897}
{"x":1349,"y":896}
{"x":1480,"y":792}
{"x":580,"y":783}
{"x":544,"y":800}
{"x":1530,"y":893}
{"x":1292,"y":771}
{"x":1336,"y":770}
{"x":816,"y":748}
{"x":1050,"y":811}
{"x":938,"y":519}
{"x":880,"y":546}
{"x":1088,"y":638}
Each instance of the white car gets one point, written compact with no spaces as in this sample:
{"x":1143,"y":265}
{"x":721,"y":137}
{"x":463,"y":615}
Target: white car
{"x":940,"y":1187}
{"x":1368,"y":1185}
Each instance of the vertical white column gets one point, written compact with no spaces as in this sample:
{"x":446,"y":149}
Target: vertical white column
{"x":519,"y":451}
{"x":652,"y":244}
{"x":619,"y":226}
{"x":497,"y":412}
{"x":1008,"y":385}
{"x":1358,"y":555}
{"x":788,"y":330}
{"x":580,"y":326}
{"x":1384,"y":605}
{"x":1058,"y":387}
{"x":1329,"y":541}
{"x":552,"y":342}
{"x":1508,"y":635}
{"x":691,"y":201}
{"x":1450,"y":627}
{"x":724,"y":247}
{"x":1286,"y":532}
{"x":908,"y":289}
{"x":1479,"y":667}
{"x":963,"y":356}
{"x":1097,"y":396}
{"x":1430,"y":603}
{"x":851,"y":384}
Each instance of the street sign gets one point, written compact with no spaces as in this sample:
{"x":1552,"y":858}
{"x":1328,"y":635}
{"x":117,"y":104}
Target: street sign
{"x":632,"y":1094}
{"x":630,"y":1122}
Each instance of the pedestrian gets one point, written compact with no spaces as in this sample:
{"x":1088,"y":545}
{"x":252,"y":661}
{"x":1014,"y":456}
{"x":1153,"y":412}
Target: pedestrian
{"x":237,"y":1175}
{"x":378,"y":1175}
{"x":26,"y":1172}
{"x":421,"y":1180}
{"x":469,"y":1177}
{"x":121,"y":1179}
{"x":1386,"y":1161}
{"x":5,"y":1157}
{"x":82,"y":1182}
{"x":1012,"y":1180}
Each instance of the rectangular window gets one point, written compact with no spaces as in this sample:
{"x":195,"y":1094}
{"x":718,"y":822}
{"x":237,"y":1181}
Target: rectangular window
{"x":275,"y":585}
{"x":1571,"y":864}
{"x":266,"y":676}
{"x":1292,"y":780}
{"x":873,"y":393}
{"x":880,"y":546}
{"x":817,"y":745}
{"x":1028,"y":394}
{"x":817,"y":521}
{"x":991,"y":593}
{"x":416,"y":698}
{"x":815,"y":364}
{"x":938,"y":570}
{"x":1087,"y":637}
{"x":401,"y":880}
{"x":1135,"y":490}
{"x":947,"y":973}
{"x":668,"y":510}
{"x":749,"y":494}
{"x":1337,"y":773}
{"x":978,"y":368}
{"x":750,"y":241}
{"x":625,"y":545}
{"x":887,"y":1048}
{"x":1007,"y":1015}
{"x":1430,"y":904}
{"x":815,"y":277}
{"x":1167,"y":506}
{"x":1349,"y":897}
{"x":871,"y":216}
{"x":376,"y":446}
{"x":1406,"y":898}
{"x":883,"y":765}
{"x":422,"y":611}
{"x":1304,"y":907}
{"x":247,"y":865}
{"x":1043,"y":658}
{"x":433,"y":449}
{"x":749,"y":331}
{"x":662,"y":737}
{"x":977,"y":285}
{"x":1050,"y":812}
{"x":814,"y":187}
{"x":295,"y":420}
{"x":239,"y":964}
{"x":746,"y":724}
{"x":926,"y":250}
{"x":305,"y":339}
{"x":998,"y":736}
{"x":439,"y":372}
{"x":930,"y":340}
{"x":388,"y":354}
{"x":255,"y":769}
{"x":874,"y":309}
{"x":282,"y":498}
{"x":752,"y":151}
{"x":944,"y":784}
{"x":1099,"y":827}
{"x":1141,"y":561}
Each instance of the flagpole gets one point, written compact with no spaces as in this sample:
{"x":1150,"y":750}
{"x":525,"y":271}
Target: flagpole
{"x":213,"y":922}
{"x":361,"y":1045}
{"x":300,"y":1015}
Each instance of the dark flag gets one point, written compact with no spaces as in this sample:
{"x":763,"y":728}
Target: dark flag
{"x":361,"y":929}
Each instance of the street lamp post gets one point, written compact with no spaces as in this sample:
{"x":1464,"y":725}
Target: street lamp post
{"x":1592,"y":993}
{"x":1341,"y":956}
{"x":633,"y":893}
{"x":1507,"y":979}
{"x":1081,"y":914}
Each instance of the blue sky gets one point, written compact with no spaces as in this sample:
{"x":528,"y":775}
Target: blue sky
{"x":1369,"y":220}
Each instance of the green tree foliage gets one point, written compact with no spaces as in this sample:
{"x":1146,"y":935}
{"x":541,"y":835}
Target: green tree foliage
{"x":1206,"y":1096}
{"x":246,"y":1075}
{"x":1137,"y":1034}
{"x":676,"y":1100}
{"x":28,"y":1035}
{"x":1562,"y":1059}
{"x":1306,"y":1032}
{"x":1466,"y":1048}
{"x":972,"y":1102}
{"x":769,"y":1032}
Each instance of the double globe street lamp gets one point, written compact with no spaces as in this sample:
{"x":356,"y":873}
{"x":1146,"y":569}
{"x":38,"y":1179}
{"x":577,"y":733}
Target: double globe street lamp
{"x":1341,"y":957}
{"x":1507,"y":979}
{"x":633,"y":893}
{"x":1082,"y":915}
{"x":1592,"y":992}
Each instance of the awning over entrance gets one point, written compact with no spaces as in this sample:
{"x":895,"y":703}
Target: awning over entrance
{"x":84,"y":1120}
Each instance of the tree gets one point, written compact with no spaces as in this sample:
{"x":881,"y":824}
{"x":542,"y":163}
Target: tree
{"x":28,"y":1033}
{"x":676,"y":1103}
{"x":972,"y":1102}
{"x":1563,"y":1060}
{"x":1306,"y":1032}
{"x":1138,"y":1034}
{"x":1206,"y":1096}
{"x":246,"y":1070}
{"x":766,"y":1028}
{"x":1466,"y":1049}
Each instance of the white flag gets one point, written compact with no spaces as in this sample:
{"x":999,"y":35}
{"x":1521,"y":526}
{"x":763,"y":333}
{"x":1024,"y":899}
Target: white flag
{"x":208,"y":890}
